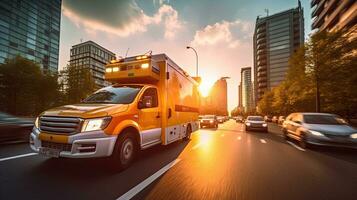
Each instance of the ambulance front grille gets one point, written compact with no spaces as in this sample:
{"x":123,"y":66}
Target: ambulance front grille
{"x":60,"y":125}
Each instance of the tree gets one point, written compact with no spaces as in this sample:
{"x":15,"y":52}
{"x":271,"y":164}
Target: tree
{"x":25,"y":89}
{"x":77,"y":83}
{"x":325,"y":68}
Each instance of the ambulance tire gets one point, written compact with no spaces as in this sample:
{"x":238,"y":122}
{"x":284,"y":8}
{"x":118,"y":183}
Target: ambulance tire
{"x":124,"y":151}
{"x":188,"y":133}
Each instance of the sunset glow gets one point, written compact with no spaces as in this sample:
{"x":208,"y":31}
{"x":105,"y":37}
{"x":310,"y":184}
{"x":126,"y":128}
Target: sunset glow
{"x":205,"y":87}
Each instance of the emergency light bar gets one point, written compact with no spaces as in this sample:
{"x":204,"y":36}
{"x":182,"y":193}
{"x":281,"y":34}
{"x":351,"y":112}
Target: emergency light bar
{"x":137,"y":69}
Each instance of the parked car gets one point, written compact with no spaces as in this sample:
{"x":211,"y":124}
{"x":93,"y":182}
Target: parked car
{"x":274,"y":119}
{"x":220,"y":119}
{"x":14,"y":128}
{"x":239,"y":119}
{"x":267,"y":118}
{"x":281,"y":120}
{"x":209,"y":121}
{"x":319,"y":129}
{"x":256,"y":123}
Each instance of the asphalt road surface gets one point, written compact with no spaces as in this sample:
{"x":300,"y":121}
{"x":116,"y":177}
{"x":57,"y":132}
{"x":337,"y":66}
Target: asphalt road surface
{"x":223,"y":163}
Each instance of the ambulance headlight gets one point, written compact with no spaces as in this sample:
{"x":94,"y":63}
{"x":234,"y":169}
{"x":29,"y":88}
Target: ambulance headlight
{"x":109,"y":69}
{"x":37,"y":124}
{"x":145,"y":65}
{"x":95,"y":124}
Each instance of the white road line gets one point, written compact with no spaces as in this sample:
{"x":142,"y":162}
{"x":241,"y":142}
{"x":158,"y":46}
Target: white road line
{"x":135,"y":190}
{"x":239,"y":138}
{"x":196,"y":146}
{"x":19,"y":156}
{"x":263,"y":141}
{"x":296,"y":146}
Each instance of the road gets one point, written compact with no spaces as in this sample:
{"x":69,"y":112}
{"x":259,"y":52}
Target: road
{"x":223,"y":163}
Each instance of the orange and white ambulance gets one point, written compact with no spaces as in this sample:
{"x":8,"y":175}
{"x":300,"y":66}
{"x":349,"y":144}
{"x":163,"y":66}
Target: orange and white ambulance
{"x":151,"y":101}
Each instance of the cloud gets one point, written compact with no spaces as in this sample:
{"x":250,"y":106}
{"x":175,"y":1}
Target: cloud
{"x":223,"y":32}
{"x":122,"y":18}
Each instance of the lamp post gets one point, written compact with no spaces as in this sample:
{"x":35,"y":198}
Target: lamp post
{"x":188,"y":47}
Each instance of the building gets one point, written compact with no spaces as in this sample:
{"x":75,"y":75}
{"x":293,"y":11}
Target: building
{"x":276,"y":37}
{"x":93,"y":56}
{"x":333,"y":14}
{"x":246,"y":90}
{"x":216,"y":102}
{"x":31,"y":28}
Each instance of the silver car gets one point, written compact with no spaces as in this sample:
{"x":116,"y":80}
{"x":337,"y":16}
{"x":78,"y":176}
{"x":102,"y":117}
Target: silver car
{"x":255,"y":123}
{"x":319,"y":129}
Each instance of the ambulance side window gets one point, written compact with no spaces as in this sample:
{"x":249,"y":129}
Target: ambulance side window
{"x":149,"y":99}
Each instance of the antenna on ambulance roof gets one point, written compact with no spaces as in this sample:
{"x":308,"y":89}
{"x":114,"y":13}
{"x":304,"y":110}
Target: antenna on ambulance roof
{"x":126,"y":54}
{"x":149,"y":52}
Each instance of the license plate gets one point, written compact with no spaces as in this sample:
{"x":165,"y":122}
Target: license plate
{"x":49,"y":152}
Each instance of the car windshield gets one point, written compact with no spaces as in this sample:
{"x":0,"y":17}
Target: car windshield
{"x":255,"y":119}
{"x":122,"y":94}
{"x":208,"y":117}
{"x":323,"y":119}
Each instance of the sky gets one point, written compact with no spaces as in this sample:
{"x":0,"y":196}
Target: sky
{"x":220,"y":30}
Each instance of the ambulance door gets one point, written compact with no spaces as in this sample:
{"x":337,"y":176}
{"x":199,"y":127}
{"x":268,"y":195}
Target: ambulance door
{"x":149,"y":118}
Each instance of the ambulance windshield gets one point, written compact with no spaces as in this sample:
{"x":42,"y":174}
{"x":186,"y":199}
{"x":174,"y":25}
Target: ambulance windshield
{"x":117,"y":94}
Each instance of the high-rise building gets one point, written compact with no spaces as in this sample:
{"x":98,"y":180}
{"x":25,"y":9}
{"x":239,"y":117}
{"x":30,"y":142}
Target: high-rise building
{"x":333,"y":14}
{"x":92,"y":56}
{"x":276,"y":37}
{"x":216,"y":101}
{"x":246,"y":90}
{"x":31,"y":29}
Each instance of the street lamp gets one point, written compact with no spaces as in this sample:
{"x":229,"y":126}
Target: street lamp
{"x":188,"y":47}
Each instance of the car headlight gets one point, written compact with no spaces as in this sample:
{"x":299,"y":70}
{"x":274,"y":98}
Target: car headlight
{"x":316,"y":133}
{"x":211,"y":121}
{"x":265,"y":125}
{"x":248,"y":123}
{"x":37,"y":122}
{"x":95,"y":124}
{"x":353,"y":136}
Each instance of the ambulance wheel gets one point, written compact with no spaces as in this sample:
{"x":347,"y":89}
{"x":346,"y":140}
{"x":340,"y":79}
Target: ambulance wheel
{"x":124,"y":151}
{"x":188,"y":133}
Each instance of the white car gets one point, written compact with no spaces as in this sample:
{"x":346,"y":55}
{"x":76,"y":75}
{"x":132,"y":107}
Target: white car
{"x":255,"y":123}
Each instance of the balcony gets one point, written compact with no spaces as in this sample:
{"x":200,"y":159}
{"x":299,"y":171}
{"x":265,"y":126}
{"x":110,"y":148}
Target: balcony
{"x":262,"y":68}
{"x":261,"y":35}
{"x":262,"y":85}
{"x":262,"y":58}
{"x":261,"y":46}
{"x":262,"y":73}
{"x":262,"y":79}
{"x":261,"y":41}
{"x":261,"y":52}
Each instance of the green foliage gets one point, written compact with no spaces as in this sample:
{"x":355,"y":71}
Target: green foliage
{"x":329,"y":59}
{"x":25,"y":89}
{"x":77,"y":83}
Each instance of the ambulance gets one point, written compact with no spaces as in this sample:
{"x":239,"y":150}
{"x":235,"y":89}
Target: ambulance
{"x":151,"y":101}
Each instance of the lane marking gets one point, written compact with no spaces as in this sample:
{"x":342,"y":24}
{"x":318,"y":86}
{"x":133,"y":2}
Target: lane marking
{"x":18,"y":156}
{"x":239,"y":138}
{"x":196,"y":146}
{"x":296,"y":146}
{"x":135,"y":190}
{"x":263,"y":141}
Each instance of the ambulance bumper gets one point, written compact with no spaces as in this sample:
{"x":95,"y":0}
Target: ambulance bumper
{"x":82,"y":145}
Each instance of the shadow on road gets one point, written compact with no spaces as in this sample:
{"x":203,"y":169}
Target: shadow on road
{"x":81,"y":170}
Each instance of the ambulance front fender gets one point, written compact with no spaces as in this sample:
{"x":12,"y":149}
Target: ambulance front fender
{"x":126,"y":124}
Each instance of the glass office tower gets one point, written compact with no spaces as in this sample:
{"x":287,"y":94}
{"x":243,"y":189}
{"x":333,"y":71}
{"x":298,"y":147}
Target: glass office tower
{"x":276,"y":38}
{"x":31,"y":28}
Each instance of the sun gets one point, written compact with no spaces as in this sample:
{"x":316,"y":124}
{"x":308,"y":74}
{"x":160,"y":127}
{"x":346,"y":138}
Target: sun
{"x":205,"y":88}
